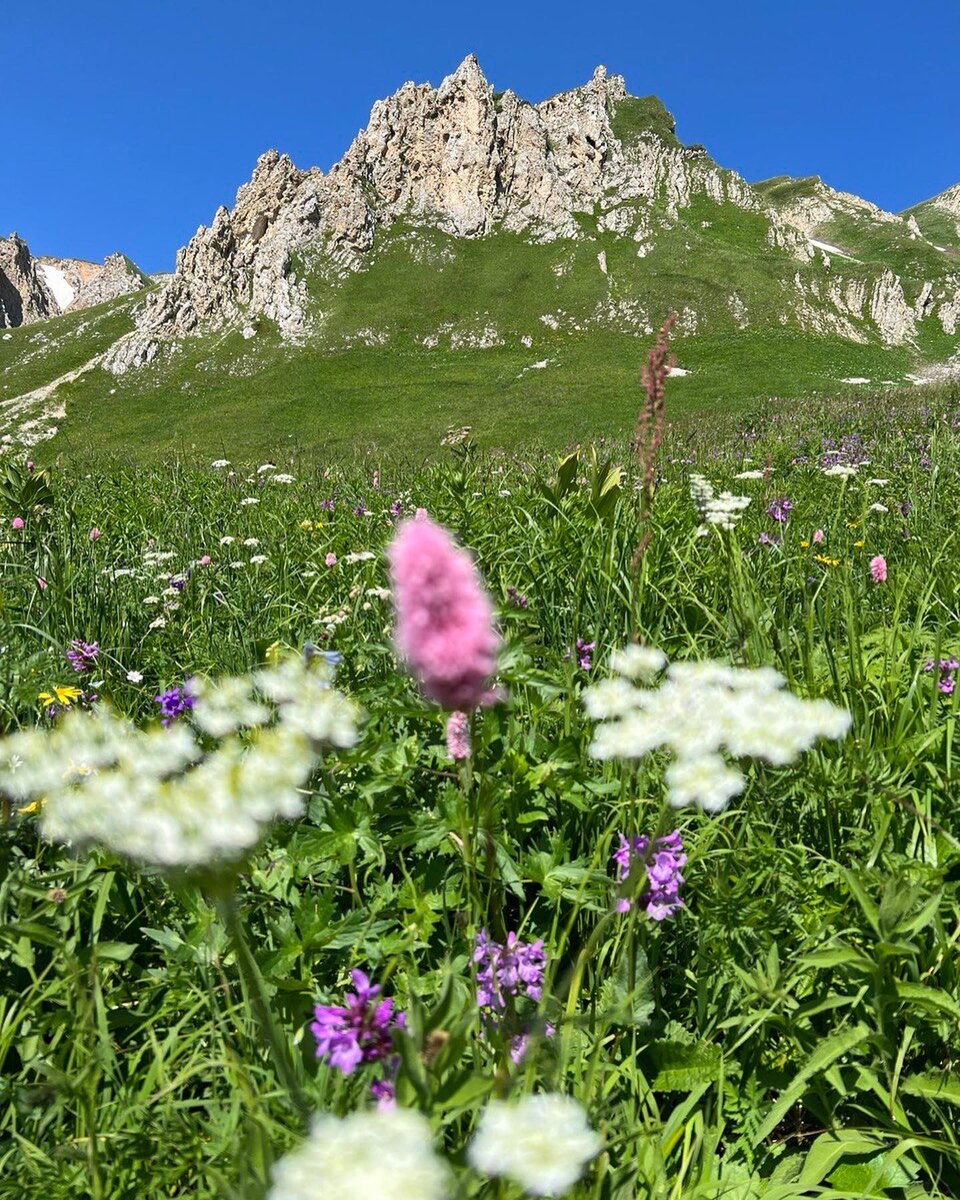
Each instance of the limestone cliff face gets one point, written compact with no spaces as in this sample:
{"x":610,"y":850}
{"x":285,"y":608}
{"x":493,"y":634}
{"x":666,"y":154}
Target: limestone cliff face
{"x":24,"y":296}
{"x":32,"y":289}
{"x":460,"y":157}
{"x":468,"y":160}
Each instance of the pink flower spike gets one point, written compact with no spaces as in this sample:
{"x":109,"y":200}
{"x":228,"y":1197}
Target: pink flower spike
{"x":444,"y":626}
{"x":331,"y":559}
{"x":206,"y":561}
{"x":95,"y":534}
{"x":18,"y":522}
{"x":458,"y":736}
{"x":878,"y":569}
{"x":818,"y":536}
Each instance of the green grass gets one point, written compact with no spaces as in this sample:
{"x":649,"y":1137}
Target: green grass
{"x":790,"y":1033}
{"x":33,"y":355}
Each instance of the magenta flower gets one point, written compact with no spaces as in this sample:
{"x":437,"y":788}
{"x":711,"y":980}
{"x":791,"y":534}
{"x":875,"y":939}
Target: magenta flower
{"x":458,"y":736}
{"x":17,"y":523}
{"x":664,"y":872}
{"x":585,"y":651}
{"x":359,"y":1031}
{"x":878,"y":569}
{"x":444,"y":625}
{"x":781,"y":509}
{"x":95,"y":534}
{"x":331,"y":559}
{"x":818,"y":536}
{"x":206,"y":560}
{"x":504,"y":971}
{"x":83,"y":656}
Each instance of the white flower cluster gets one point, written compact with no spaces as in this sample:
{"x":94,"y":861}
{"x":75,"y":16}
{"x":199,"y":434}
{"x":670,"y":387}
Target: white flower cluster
{"x":840,"y":471}
{"x":699,"y":710}
{"x":724,"y":510}
{"x":388,"y":1155}
{"x":541,"y":1142}
{"x":156,"y":795}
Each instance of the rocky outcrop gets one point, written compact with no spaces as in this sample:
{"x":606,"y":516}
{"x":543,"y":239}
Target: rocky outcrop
{"x":32,"y":289}
{"x":467,"y":160}
{"x":459,"y":157}
{"x":117,"y":277}
{"x":24,"y":296}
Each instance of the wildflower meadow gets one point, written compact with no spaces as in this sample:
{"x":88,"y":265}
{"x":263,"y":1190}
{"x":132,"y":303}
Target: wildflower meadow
{"x":488,"y":826}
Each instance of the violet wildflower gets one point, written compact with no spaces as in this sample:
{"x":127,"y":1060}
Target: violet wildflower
{"x":946,"y":668}
{"x":83,"y":656}
{"x":584,"y":654}
{"x":664,"y":866}
{"x":516,"y":598}
{"x":359,"y":1031}
{"x":780,"y":509}
{"x":384,"y":1091}
{"x":506,"y":971}
{"x":174,"y":702}
{"x":444,"y":626}
{"x":396,"y":508}
{"x":328,"y":506}
{"x":360,"y":510}
{"x":769,"y":539}
{"x":818,"y":536}
{"x":17,"y":523}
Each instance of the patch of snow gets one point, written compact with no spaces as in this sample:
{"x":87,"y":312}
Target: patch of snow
{"x":828,"y":249}
{"x":942,"y":249}
{"x":919,"y":378}
{"x":679,"y":372}
{"x":855,"y":379}
{"x":56,"y":281}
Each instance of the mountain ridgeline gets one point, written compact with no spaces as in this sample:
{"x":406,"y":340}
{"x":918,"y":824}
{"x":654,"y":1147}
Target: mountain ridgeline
{"x":474,"y":256}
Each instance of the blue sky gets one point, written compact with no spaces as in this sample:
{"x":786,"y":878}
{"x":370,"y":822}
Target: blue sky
{"x":126,"y":123}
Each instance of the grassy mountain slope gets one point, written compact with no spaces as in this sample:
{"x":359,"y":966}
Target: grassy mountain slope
{"x":525,"y":341}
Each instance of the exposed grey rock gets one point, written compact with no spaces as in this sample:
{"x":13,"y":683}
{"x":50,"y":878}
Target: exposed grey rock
{"x":32,"y":289}
{"x":24,"y":297}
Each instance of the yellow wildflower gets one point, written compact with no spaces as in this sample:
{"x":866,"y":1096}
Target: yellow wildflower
{"x":859,"y":545}
{"x":827,"y":561}
{"x":60,"y":695}
{"x":306,"y":524}
{"x":804,"y":545}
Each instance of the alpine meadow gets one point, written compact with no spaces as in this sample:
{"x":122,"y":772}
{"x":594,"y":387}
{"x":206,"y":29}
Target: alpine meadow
{"x":479,"y":680}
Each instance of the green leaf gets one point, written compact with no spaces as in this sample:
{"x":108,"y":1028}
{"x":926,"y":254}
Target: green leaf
{"x":825,"y":1054}
{"x":683,"y":1068}
{"x":933,"y":1086}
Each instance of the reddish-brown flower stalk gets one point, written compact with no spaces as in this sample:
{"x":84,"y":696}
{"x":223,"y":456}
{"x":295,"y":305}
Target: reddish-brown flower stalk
{"x":651,"y":423}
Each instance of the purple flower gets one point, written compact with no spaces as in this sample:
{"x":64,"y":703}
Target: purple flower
{"x":174,"y":703}
{"x":506,"y":971}
{"x":515,"y":598}
{"x":360,"y":510}
{"x":384,"y":1091}
{"x":396,"y":508}
{"x":358,"y":1031}
{"x":769,"y":539}
{"x":327,"y":506}
{"x":780,"y":509}
{"x":584,"y":652}
{"x":520,"y":1044}
{"x":947,"y":684}
{"x":664,"y":872}
{"x":83,"y":656}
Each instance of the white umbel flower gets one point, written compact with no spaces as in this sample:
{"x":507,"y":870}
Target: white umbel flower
{"x":723,"y":511}
{"x":157,"y":795}
{"x":700,"y":710}
{"x":388,"y":1155}
{"x":541,"y":1142}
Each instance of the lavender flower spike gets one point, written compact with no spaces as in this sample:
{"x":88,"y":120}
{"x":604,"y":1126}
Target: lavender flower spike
{"x":358,"y":1031}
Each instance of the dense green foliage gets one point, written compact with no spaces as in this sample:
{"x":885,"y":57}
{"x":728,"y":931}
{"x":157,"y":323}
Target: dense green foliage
{"x":791,"y":1032}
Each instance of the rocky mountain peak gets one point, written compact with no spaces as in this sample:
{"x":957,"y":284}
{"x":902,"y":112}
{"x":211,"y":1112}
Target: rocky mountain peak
{"x":33,"y":289}
{"x":468,"y":161}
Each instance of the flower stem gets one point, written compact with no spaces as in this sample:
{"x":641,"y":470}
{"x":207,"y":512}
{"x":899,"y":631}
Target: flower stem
{"x":256,"y":991}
